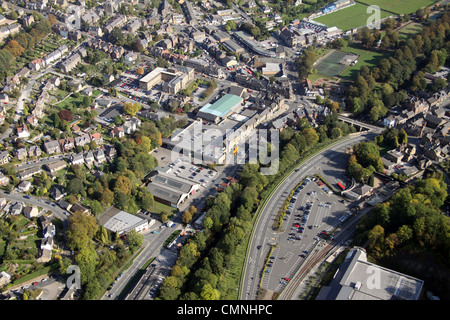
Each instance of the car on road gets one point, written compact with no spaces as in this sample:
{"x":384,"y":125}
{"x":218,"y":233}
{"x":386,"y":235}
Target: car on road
{"x":27,"y":197}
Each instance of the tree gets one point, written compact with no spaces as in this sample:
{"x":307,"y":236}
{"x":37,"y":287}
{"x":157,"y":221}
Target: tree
{"x":186,"y":217}
{"x":15,"y":48}
{"x":107,"y":197}
{"x":376,"y":239}
{"x":209,"y":293}
{"x":134,"y":240}
{"x":121,"y":200}
{"x":131,"y":108}
{"x":140,"y":71}
{"x":311,"y":136}
{"x":96,"y":207}
{"x":402,"y":137}
{"x":123,"y":184}
{"x":75,"y":186}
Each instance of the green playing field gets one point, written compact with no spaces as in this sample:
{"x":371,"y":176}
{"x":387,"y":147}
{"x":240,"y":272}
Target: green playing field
{"x":399,"y":6}
{"x":348,"y":18}
{"x":330,"y":66}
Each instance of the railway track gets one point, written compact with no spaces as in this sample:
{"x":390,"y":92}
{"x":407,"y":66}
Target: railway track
{"x":290,"y":289}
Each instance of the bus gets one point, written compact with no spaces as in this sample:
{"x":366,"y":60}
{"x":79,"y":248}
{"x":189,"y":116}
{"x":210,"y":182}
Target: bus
{"x":341,"y":186}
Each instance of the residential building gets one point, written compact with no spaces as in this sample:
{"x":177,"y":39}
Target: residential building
{"x":77,"y":159}
{"x":52,"y":147}
{"x":20,"y":153}
{"x":99,"y":156}
{"x":56,"y":166}
{"x":24,"y":186}
{"x":34,"y":151}
{"x":117,"y":132}
{"x":22,"y":131}
{"x":4,"y":157}
{"x":28,"y":173}
{"x":30,"y":212}
{"x":57,"y":192}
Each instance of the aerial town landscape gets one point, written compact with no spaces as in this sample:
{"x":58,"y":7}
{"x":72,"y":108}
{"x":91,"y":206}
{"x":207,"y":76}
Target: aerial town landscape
{"x":249,"y":150}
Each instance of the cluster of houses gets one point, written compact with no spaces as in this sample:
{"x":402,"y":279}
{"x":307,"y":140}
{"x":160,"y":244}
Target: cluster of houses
{"x":113,"y":50}
{"x":9,"y":30}
{"x":315,"y":114}
{"x":89,"y":158}
{"x":73,"y":60}
{"x":427,"y":118}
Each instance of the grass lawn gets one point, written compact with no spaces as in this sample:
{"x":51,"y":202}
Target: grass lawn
{"x":348,"y":18}
{"x":159,"y":208}
{"x":400,"y":6}
{"x":366,"y":57}
{"x":409,"y":30}
{"x":315,"y":76}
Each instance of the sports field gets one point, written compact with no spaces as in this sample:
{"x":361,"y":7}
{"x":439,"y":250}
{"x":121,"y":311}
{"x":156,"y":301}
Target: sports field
{"x":351,"y":17}
{"x":366,"y":57}
{"x":329,"y":65}
{"x":399,"y":6}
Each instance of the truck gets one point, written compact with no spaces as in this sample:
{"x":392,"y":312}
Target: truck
{"x":169,"y":223}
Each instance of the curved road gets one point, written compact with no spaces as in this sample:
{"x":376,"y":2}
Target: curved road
{"x":324,"y":163}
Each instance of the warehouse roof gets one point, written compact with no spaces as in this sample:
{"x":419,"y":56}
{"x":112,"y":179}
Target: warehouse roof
{"x":115,"y":219}
{"x":358,"y":279}
{"x":223,"y":106}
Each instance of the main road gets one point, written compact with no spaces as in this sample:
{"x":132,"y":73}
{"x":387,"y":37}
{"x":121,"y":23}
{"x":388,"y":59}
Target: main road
{"x":330,"y":164}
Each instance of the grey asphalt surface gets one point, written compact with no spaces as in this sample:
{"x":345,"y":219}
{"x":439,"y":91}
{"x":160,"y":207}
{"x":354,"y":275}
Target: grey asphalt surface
{"x":36,"y":201}
{"x":330,"y":164}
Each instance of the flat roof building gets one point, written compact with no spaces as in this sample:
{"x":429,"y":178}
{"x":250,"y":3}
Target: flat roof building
{"x":174,"y":79}
{"x":357,"y":279}
{"x":170,"y":190}
{"x":116,"y":220}
{"x":220,"y":109}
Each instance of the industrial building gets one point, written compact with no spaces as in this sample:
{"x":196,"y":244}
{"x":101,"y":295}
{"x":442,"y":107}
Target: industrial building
{"x":357,"y":279}
{"x":169,"y":189}
{"x":220,"y":109}
{"x":116,"y":220}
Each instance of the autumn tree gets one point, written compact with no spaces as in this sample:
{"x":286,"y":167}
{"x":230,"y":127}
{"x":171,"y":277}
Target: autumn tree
{"x":131,"y":108}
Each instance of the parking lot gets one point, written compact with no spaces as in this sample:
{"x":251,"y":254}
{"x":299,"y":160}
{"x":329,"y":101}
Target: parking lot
{"x":201,"y":175}
{"x":312,"y":214}
{"x":129,"y":85}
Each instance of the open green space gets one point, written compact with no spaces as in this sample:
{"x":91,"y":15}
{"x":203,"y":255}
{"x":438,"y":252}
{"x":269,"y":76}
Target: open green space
{"x":159,"y":208}
{"x":399,"y":6}
{"x":409,"y":30}
{"x":348,"y":18}
{"x":366,"y":57}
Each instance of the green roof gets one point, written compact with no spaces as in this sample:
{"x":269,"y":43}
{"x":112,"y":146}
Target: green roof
{"x":221,"y":107}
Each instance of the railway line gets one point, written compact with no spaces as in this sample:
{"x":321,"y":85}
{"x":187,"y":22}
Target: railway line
{"x":314,"y":258}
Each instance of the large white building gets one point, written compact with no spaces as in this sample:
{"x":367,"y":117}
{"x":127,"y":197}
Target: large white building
{"x":358,"y":279}
{"x":116,"y":220}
